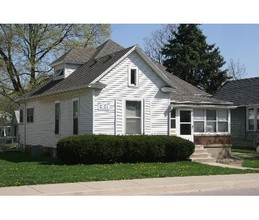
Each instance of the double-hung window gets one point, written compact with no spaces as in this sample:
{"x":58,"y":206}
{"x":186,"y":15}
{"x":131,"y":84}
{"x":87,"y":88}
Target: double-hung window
{"x":198,"y":118}
{"x":133,"y":117}
{"x":30,"y":114}
{"x":173,"y":119}
{"x":251,"y":117}
{"x":57,"y":117}
{"x":211,"y":121}
{"x":75,"y":116}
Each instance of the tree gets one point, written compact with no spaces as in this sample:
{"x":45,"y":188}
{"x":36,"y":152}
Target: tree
{"x":26,"y":50}
{"x":236,"y":70}
{"x":189,"y":57}
{"x":154,"y":44}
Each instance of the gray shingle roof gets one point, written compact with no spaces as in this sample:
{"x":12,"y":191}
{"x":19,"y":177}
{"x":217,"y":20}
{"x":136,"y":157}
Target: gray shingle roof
{"x":99,"y":60}
{"x":187,"y":93}
{"x":81,"y":77}
{"x":241,"y":92}
{"x":81,"y":55}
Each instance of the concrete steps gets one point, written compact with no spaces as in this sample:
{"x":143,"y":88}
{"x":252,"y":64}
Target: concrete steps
{"x":201,"y":155}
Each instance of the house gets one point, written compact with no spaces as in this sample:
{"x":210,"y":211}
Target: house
{"x":244,"y":93}
{"x":117,"y":91}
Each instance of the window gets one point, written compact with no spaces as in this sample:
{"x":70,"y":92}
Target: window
{"x":173,"y":119}
{"x":133,"y":77}
{"x":133,"y":117}
{"x":57,"y":117}
{"x":216,"y":120}
{"x":251,"y":114}
{"x":21,"y":115}
{"x":59,"y":72}
{"x":30,"y":113}
{"x":210,"y":120}
{"x":75,"y":116}
{"x":198,"y":118}
{"x":222,"y":120}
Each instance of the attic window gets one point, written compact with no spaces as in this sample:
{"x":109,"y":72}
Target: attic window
{"x":133,"y":77}
{"x":59,"y":72}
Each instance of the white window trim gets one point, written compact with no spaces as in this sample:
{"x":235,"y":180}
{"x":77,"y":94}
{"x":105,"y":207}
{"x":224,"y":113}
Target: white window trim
{"x":217,"y":121}
{"x":129,"y":76}
{"x":57,"y":102}
{"x":78,"y":117}
{"x":27,"y":115}
{"x":173,"y":130}
{"x":256,"y":112}
{"x":142,"y":114}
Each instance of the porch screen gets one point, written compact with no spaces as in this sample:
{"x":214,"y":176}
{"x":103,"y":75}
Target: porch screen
{"x":133,"y":117}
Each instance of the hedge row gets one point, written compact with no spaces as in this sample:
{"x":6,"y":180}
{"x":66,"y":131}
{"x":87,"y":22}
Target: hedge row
{"x":92,"y":149}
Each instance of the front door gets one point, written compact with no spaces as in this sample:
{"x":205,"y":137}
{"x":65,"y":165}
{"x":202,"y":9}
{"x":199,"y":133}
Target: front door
{"x":186,"y":124}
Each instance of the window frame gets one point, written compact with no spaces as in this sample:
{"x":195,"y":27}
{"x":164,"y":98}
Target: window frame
{"x":141,"y":115}
{"x":27,"y":115}
{"x":57,"y":132}
{"x":255,"y":118}
{"x":75,"y":131}
{"x":217,"y":121}
{"x":173,"y":119}
{"x":130,"y":84}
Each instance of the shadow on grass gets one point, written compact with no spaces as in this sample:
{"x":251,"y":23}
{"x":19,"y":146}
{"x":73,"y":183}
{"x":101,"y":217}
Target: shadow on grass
{"x":20,"y":157}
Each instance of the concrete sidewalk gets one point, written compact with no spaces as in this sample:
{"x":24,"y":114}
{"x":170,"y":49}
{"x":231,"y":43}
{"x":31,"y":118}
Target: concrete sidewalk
{"x":157,"y":186}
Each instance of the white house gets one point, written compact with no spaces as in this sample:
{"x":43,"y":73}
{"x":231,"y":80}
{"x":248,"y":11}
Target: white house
{"x":117,"y":91}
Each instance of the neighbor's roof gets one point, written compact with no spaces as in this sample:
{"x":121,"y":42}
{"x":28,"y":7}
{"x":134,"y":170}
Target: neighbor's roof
{"x":241,"y":92}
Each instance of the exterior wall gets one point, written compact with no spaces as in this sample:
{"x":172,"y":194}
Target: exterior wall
{"x":70,"y":68}
{"x":41,"y":131}
{"x":238,"y":123}
{"x":212,"y":139}
{"x":219,"y":146}
{"x":154,"y":103}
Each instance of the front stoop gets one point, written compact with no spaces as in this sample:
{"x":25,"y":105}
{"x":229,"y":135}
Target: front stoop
{"x":201,"y":155}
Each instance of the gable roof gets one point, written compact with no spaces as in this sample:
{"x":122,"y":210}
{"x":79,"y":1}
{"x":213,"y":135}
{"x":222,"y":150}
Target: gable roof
{"x":80,"y":55}
{"x":101,"y":60}
{"x":241,"y":92}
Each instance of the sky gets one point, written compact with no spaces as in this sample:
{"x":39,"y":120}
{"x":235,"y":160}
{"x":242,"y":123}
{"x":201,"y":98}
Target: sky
{"x":235,"y":41}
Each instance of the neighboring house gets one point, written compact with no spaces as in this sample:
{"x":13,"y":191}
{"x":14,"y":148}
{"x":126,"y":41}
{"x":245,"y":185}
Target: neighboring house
{"x":244,"y":93}
{"x":117,"y":91}
{"x":8,"y":125}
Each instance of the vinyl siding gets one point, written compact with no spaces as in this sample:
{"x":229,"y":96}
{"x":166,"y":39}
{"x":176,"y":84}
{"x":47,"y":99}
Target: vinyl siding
{"x":41,"y":131}
{"x":117,"y":91}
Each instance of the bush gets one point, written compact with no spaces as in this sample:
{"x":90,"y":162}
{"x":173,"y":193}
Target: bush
{"x":91,"y":149}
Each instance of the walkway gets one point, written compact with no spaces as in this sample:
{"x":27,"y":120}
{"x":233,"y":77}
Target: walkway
{"x":157,"y":186}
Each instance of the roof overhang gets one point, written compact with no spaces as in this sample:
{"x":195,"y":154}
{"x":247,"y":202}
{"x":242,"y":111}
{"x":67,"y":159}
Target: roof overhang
{"x":202,"y":105}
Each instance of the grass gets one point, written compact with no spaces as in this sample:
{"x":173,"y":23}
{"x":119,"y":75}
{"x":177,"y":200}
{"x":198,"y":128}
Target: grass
{"x":251,"y":162}
{"x":247,"y":151}
{"x":17,"y":169}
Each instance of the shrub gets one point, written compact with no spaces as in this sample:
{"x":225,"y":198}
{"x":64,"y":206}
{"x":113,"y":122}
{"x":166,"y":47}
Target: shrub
{"x":91,"y":149}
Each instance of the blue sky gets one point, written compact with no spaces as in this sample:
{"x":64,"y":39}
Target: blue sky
{"x":235,"y":41}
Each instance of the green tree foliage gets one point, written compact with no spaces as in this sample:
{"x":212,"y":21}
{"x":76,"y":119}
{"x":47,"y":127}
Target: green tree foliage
{"x":26,"y":50}
{"x":189,"y":57}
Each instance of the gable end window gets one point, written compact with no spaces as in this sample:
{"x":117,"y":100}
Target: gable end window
{"x":133,"y":77}
{"x":21,"y":115}
{"x":30,"y":115}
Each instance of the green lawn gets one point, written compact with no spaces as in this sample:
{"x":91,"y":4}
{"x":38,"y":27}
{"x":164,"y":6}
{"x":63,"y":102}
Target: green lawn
{"x":247,"y":151}
{"x":251,"y":162}
{"x":18,"y":169}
